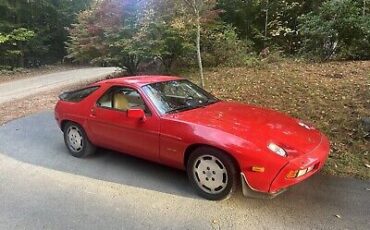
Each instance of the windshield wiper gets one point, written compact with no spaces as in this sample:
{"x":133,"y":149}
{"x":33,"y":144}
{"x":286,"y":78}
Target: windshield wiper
{"x":189,"y":107}
{"x":211,"y":101}
{"x":184,"y":107}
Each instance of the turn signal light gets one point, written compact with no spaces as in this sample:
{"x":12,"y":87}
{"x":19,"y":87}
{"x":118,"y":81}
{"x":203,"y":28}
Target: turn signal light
{"x":258,"y":169}
{"x":292,"y":174}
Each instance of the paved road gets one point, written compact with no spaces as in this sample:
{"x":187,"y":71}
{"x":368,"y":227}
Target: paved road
{"x":43,"y":187}
{"x":25,"y":87}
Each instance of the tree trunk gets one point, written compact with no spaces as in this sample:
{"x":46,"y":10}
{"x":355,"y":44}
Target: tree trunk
{"x":266,"y":19}
{"x":364,"y":8}
{"x":21,"y":57}
{"x":198,"y":51}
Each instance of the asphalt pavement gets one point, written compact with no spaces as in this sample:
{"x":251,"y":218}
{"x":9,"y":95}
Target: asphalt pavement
{"x":24,"y":87}
{"x":43,"y":187}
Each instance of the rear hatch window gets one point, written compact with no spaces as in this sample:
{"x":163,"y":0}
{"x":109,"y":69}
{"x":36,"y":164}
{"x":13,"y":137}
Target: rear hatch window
{"x":77,"y":95}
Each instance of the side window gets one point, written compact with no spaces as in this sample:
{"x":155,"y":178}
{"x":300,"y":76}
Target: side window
{"x":122,"y":98}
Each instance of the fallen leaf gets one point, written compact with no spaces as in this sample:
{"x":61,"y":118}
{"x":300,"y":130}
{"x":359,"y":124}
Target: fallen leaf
{"x":367,"y":165}
{"x":338,"y":216}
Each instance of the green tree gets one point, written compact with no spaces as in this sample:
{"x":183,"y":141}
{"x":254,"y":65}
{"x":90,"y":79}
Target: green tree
{"x":94,"y":27}
{"x":133,"y":33}
{"x":47,"y":19}
{"x":202,"y":10}
{"x":267,"y":23}
{"x":167,"y":36}
{"x":13,"y":46}
{"x":222,"y":47}
{"x":339,"y":29}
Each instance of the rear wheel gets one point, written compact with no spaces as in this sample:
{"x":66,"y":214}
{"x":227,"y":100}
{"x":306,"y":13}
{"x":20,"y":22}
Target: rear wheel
{"x":76,"y":140}
{"x":212,"y":173}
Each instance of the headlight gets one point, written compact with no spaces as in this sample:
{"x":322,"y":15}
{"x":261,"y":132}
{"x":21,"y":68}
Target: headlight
{"x":277,"y":149}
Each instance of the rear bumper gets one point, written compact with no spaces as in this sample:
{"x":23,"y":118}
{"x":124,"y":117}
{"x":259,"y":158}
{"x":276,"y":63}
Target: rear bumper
{"x":312,"y":161}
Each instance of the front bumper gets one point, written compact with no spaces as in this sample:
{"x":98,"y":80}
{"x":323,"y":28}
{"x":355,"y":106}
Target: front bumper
{"x":249,"y":191}
{"x":314,"y":161}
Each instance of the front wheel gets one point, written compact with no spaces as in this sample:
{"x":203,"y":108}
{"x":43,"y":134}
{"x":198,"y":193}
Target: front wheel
{"x":76,"y":140}
{"x":212,"y":173}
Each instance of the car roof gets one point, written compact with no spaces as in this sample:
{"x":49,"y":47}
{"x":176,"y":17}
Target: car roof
{"x":139,"y":80}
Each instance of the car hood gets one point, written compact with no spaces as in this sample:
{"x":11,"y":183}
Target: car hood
{"x":259,"y":125}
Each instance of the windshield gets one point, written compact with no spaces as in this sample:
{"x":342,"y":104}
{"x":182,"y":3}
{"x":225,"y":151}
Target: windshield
{"x":178,"y":95}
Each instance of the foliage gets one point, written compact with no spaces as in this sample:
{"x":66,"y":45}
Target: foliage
{"x":251,"y":18}
{"x":290,"y":24}
{"x":94,"y":27}
{"x":222,"y":47}
{"x":46,"y":19}
{"x":143,"y":35}
{"x":338,"y":29}
{"x":160,"y":35}
{"x":13,"y":46}
{"x":163,"y":34}
{"x":201,"y":11}
{"x":135,"y":36}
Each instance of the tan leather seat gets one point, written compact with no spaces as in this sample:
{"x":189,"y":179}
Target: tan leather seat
{"x":120,"y":102}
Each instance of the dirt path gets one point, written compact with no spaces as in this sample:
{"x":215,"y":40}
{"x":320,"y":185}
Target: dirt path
{"x":13,"y":90}
{"x":6,"y":76}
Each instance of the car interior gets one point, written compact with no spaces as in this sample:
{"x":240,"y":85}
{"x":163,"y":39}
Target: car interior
{"x":121,"y":98}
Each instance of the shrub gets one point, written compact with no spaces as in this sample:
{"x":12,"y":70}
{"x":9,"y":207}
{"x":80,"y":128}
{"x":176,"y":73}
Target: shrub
{"x":221,"y":46}
{"x":337,"y":30}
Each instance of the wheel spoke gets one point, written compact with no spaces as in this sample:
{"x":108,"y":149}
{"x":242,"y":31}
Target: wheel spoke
{"x":210,"y":174}
{"x":75,"y":139}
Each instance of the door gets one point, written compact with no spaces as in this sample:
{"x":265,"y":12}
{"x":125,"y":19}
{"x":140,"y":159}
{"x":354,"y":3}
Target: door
{"x":113,"y":129}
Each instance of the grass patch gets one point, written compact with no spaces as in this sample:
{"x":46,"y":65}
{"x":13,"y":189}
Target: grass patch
{"x":333,"y":96}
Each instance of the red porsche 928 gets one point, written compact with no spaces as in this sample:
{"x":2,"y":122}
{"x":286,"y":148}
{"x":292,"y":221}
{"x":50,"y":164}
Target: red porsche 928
{"x":172,"y":121}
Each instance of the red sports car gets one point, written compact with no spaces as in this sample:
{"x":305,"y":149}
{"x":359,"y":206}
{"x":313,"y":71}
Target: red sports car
{"x":172,"y":121}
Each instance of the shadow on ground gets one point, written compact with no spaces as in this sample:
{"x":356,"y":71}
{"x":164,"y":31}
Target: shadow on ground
{"x":37,"y":140}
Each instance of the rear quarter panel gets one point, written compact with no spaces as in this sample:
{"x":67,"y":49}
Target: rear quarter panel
{"x":78,"y":112}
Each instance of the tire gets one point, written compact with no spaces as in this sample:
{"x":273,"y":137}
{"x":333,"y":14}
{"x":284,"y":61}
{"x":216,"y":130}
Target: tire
{"x":76,"y":141}
{"x":212,"y":173}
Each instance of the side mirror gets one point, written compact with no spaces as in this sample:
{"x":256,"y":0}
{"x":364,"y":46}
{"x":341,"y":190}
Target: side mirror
{"x":136,"y":114}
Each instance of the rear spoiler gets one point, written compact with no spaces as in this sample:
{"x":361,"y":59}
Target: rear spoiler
{"x":64,"y":95}
{"x":78,"y":95}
